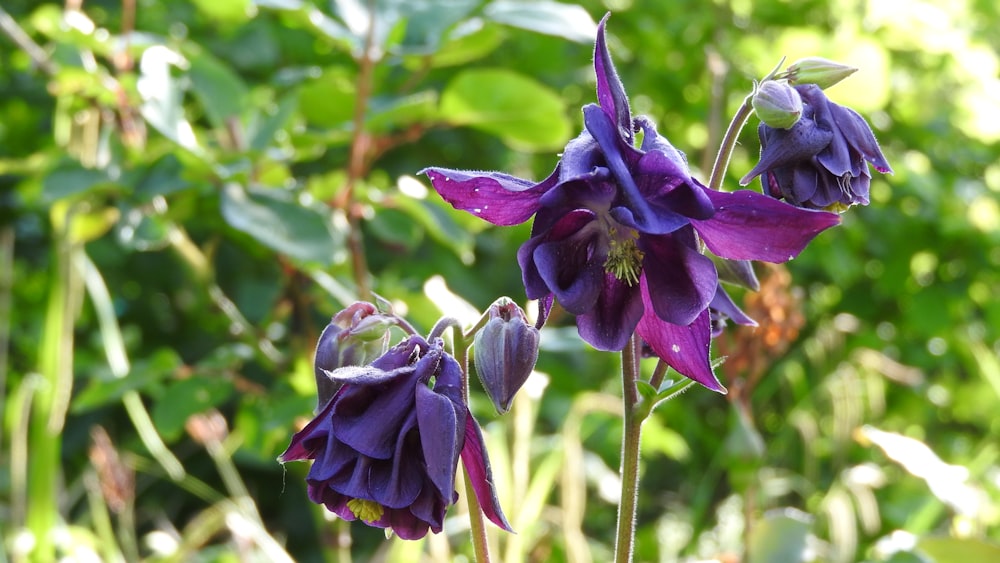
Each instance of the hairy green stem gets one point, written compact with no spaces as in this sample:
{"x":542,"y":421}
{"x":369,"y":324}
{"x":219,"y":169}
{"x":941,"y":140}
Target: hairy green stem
{"x":729,"y":143}
{"x":480,"y":543}
{"x":629,"y":469}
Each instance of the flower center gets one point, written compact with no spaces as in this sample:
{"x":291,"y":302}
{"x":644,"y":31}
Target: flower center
{"x":624,"y":257}
{"x":368,"y":511}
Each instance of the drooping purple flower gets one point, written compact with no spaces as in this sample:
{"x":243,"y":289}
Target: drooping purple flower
{"x":618,"y":231}
{"x":821,"y":162}
{"x":385,"y":448}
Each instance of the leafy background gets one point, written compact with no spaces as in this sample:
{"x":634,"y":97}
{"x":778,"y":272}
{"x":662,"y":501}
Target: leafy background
{"x":190,"y":189}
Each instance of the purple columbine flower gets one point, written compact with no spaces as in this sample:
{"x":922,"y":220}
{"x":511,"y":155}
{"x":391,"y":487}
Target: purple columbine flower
{"x":618,"y":232}
{"x":385,"y":448}
{"x":821,"y":162}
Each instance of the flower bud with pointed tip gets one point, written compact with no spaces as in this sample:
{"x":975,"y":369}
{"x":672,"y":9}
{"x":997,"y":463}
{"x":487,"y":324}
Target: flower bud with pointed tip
{"x":506,"y":350}
{"x":354,"y":337}
{"x":819,"y":71}
{"x":777,"y":104}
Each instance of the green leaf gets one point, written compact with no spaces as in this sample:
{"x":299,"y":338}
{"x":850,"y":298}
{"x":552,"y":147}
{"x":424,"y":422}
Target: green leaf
{"x":463,"y":48}
{"x":397,"y":113}
{"x":959,"y":550}
{"x":525,"y":114}
{"x":438,"y":224}
{"x":146,"y":375}
{"x":393,"y":228}
{"x":647,"y":391}
{"x":780,"y":537}
{"x":219,"y":90}
{"x":162,"y":96}
{"x":185,"y":398}
{"x":162,"y":178}
{"x":71,"y":178}
{"x":328,"y":101}
{"x":275,"y":219}
{"x":569,"y":21}
{"x":265,"y":125}
{"x":225,"y":11}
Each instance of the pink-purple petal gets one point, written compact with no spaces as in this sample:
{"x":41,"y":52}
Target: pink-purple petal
{"x":751,"y":226}
{"x":477,"y":463}
{"x":684,"y":348}
{"x":498,"y":198}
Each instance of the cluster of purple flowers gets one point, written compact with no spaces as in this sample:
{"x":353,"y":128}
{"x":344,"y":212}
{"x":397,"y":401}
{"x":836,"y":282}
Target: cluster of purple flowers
{"x":619,"y":239}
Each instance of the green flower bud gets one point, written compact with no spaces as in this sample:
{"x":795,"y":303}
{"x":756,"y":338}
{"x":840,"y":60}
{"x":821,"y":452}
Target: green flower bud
{"x":815,"y":70}
{"x":777,"y":104}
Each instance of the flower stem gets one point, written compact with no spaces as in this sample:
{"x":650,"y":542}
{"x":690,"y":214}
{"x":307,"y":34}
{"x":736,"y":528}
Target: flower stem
{"x":629,"y":470}
{"x":729,"y":143}
{"x":477,"y":525}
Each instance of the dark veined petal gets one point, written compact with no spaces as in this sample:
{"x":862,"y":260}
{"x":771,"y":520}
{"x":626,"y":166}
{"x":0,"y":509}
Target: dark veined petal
{"x":751,"y":226}
{"x":570,"y":262}
{"x":499,"y":198}
{"x":306,"y":442}
{"x":579,"y":157}
{"x":368,"y":419}
{"x":684,"y":348}
{"x":477,"y":463}
{"x":611,"y":321}
{"x":668,"y":187}
{"x":637,"y":211}
{"x":610,"y":91}
{"x":440,"y":438}
{"x":681,"y":280}
{"x":394,"y":483}
{"x":860,"y":136}
{"x":780,"y":147}
{"x":723,"y":303}
{"x":653,"y":141}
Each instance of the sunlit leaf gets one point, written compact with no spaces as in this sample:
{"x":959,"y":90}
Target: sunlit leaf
{"x":185,"y":398}
{"x":275,"y":219}
{"x":519,"y":110}
{"x":780,"y":537}
{"x":219,"y":90}
{"x":570,"y":21}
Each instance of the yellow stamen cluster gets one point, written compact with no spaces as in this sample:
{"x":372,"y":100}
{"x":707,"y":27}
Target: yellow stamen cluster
{"x":368,"y":511}
{"x":624,"y":257}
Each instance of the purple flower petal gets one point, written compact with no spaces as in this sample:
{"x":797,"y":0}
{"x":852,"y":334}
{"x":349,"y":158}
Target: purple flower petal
{"x":477,"y":463}
{"x":637,"y":212}
{"x":724,"y":304}
{"x":860,"y":136}
{"x":751,"y":226}
{"x":681,"y":280}
{"x":684,"y":348}
{"x":610,"y":91}
{"x":570,"y":262}
{"x":781,"y":147}
{"x":440,"y":437}
{"x":498,"y":198}
{"x":609,"y":324}
{"x":392,"y":483}
{"x":368,"y":418}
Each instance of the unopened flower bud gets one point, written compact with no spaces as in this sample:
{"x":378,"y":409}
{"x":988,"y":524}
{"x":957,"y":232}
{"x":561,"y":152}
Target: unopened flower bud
{"x":777,"y":104}
{"x":506,"y":350}
{"x":819,"y":71}
{"x":354,"y":337}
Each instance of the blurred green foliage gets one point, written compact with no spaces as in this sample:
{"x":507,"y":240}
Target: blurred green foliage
{"x":190,"y":189}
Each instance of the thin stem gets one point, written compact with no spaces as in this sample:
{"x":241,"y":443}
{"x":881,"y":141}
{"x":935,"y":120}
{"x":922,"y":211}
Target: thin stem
{"x":729,"y":143}
{"x":361,"y":144}
{"x":477,"y":525}
{"x":631,"y":437}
